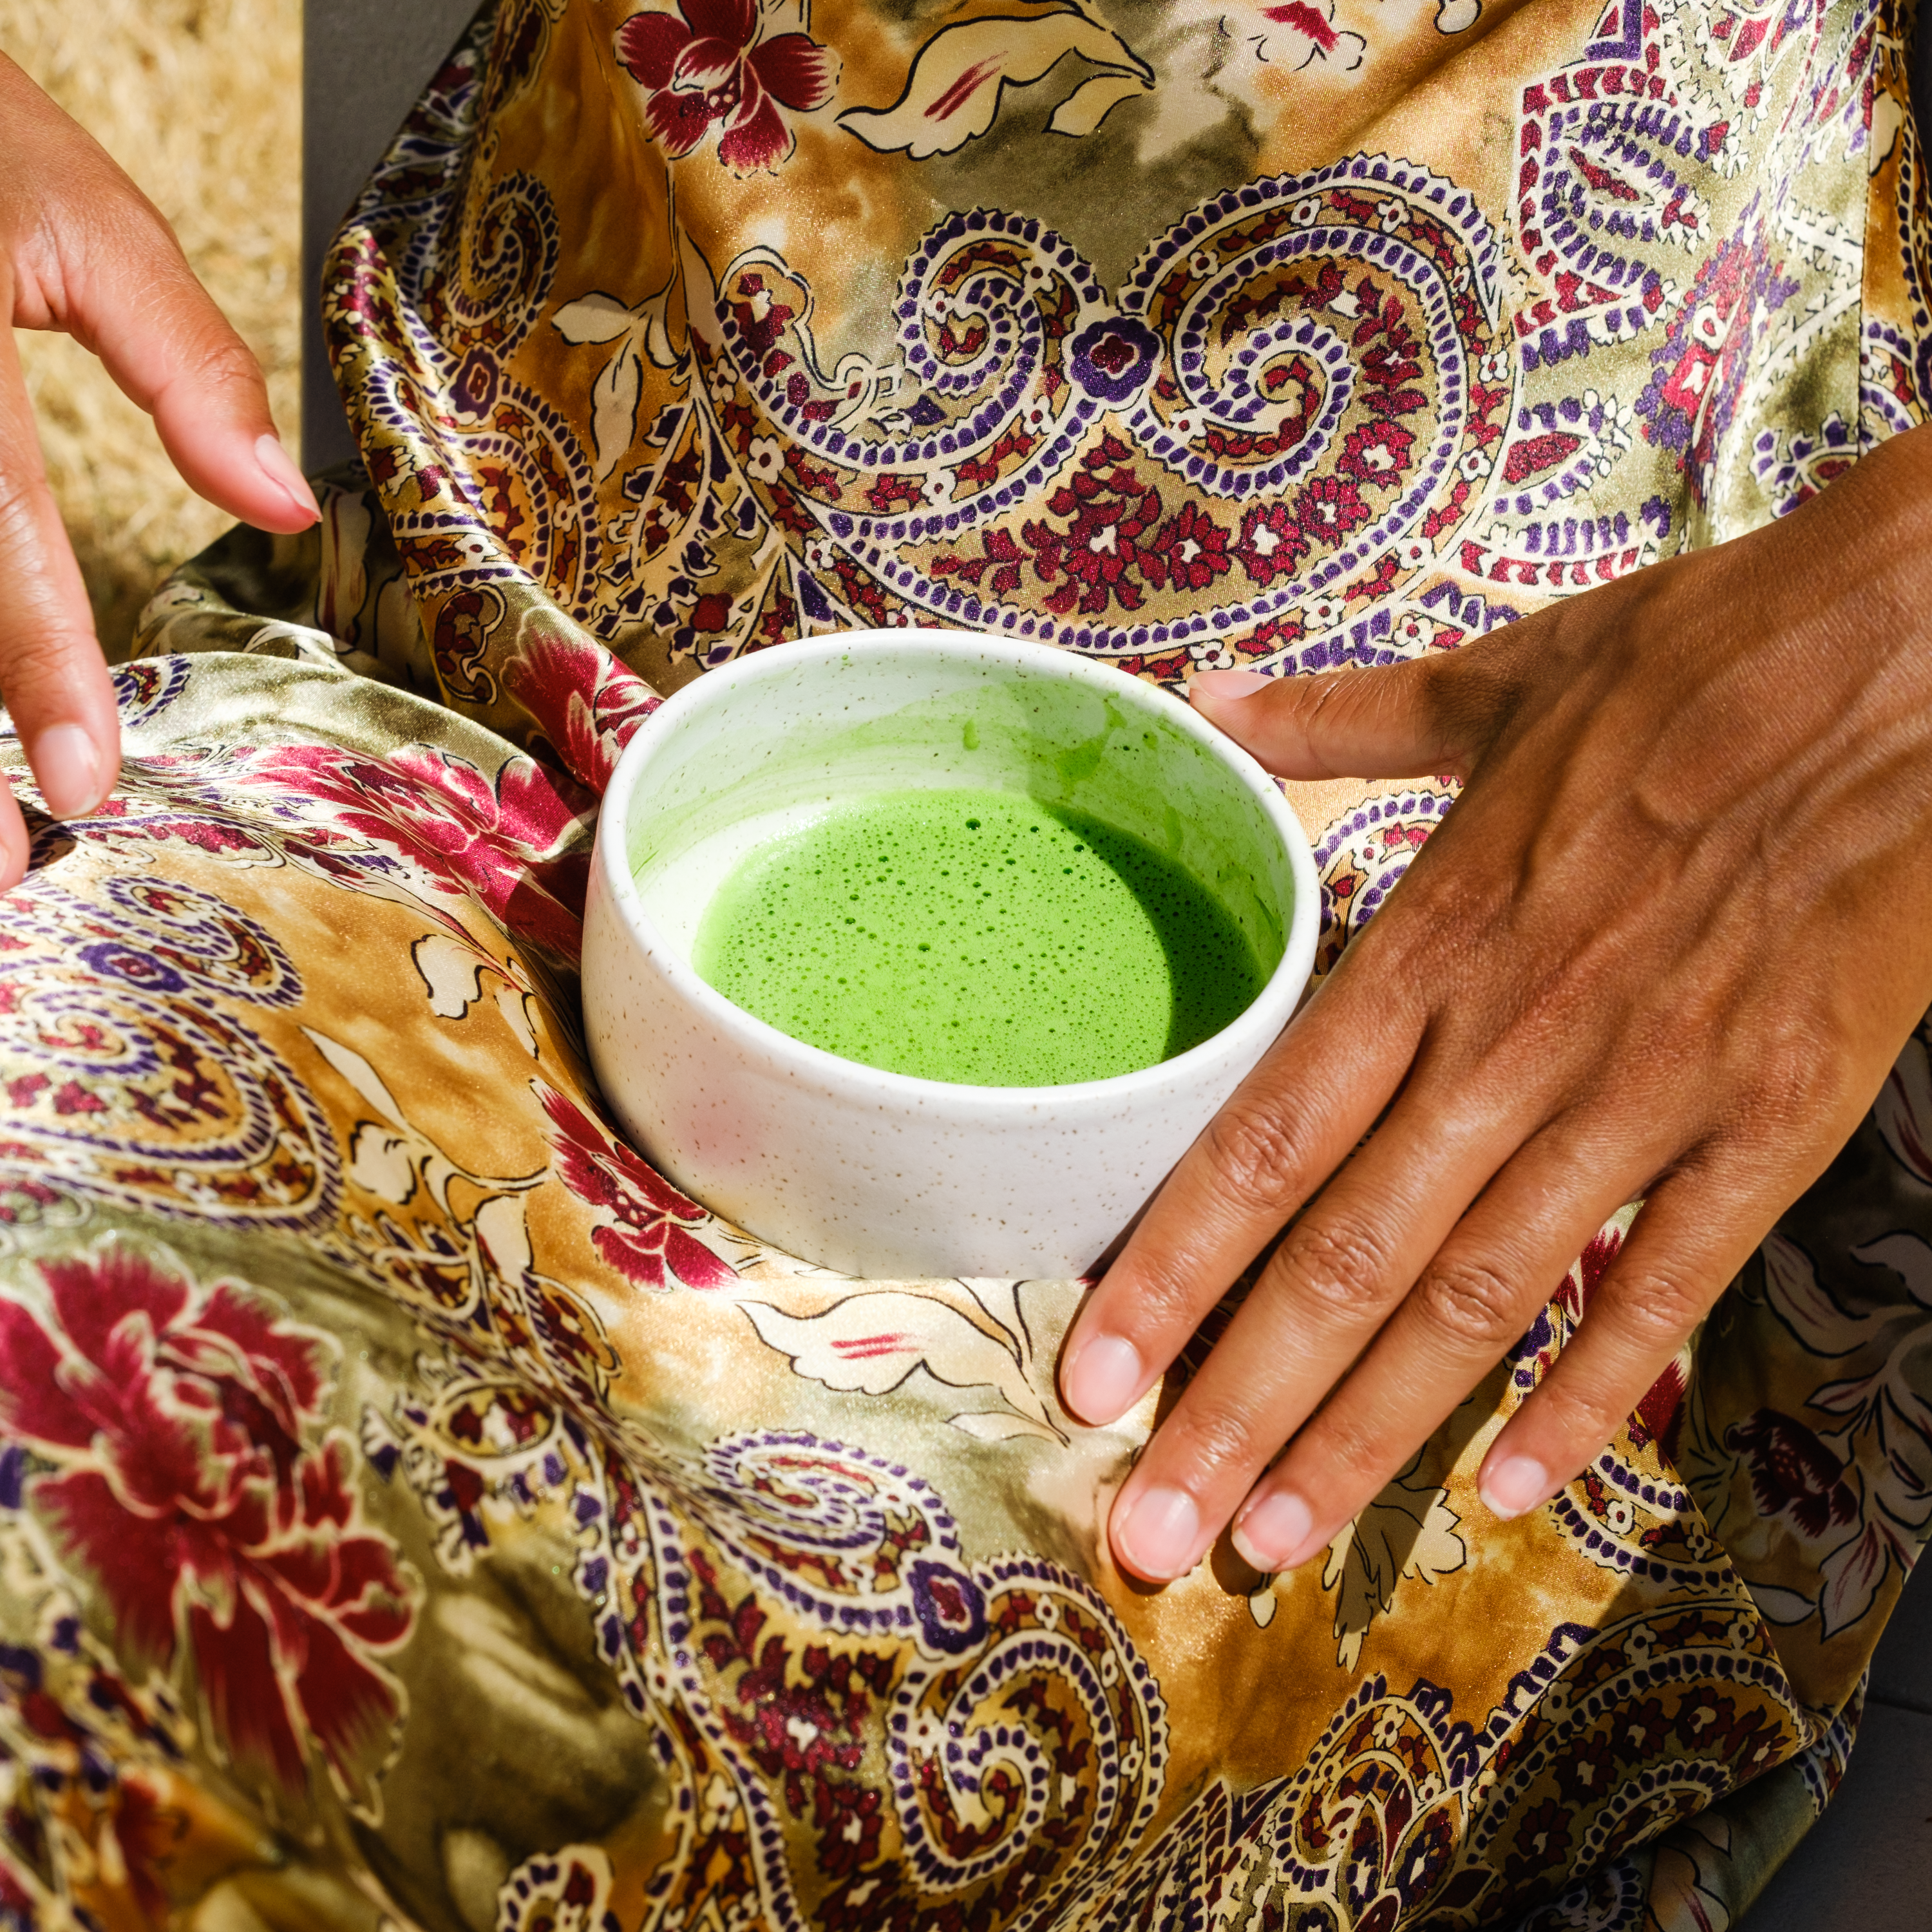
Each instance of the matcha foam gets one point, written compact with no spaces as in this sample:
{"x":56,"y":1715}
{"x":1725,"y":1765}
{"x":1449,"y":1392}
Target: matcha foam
{"x":976,"y":936}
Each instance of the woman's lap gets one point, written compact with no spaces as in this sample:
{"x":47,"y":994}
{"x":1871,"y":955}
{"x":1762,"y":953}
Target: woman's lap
{"x":408,"y":1497}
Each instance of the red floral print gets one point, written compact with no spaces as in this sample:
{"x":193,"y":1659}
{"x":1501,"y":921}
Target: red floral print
{"x":1313,"y":27}
{"x":1116,"y":547}
{"x":649,"y":1244}
{"x":1659,"y":1416}
{"x":1793,"y":1473}
{"x":1003,"y":556}
{"x":705,"y":65}
{"x":582,"y":697}
{"x":1192,"y":551}
{"x":501,"y":842}
{"x":1377,"y":453}
{"x":1271,"y":544}
{"x":1590,"y":1267}
{"x":1330,"y":508}
{"x":182,"y":1423}
{"x":1101,"y":551}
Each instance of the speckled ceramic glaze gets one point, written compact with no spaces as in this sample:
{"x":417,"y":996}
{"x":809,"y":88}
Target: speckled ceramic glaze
{"x":877,"y":1174}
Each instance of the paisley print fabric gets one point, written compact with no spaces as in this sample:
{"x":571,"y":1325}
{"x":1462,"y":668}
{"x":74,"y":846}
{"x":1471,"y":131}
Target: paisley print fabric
{"x":413,"y":1510}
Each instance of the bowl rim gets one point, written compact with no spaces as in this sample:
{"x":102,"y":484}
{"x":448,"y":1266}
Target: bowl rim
{"x":1281,"y":992}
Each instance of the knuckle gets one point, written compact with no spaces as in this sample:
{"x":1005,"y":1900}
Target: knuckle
{"x":30,"y":695}
{"x":1463,"y":900}
{"x":21,"y":489}
{"x":1471,"y":1300}
{"x":1256,"y":1155}
{"x":45,"y":639}
{"x":114,"y":221}
{"x":1215,"y":1442}
{"x":1467,"y":701}
{"x":1349,"y":1454}
{"x":1798,"y":1080}
{"x":44,"y":664}
{"x":1659,"y":1309}
{"x":1167,"y":1298}
{"x":37,"y":686}
{"x":218,"y":359}
{"x":1581,"y":1412}
{"x":1339,"y":1261}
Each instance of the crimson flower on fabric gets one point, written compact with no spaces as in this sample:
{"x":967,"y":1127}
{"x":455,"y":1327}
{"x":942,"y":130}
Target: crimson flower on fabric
{"x":705,"y":66}
{"x":505,"y":842}
{"x":1659,"y":1416}
{"x":1271,"y":542}
{"x":1377,"y":452}
{"x":1330,"y":508}
{"x":648,"y":1244}
{"x":1192,"y":549}
{"x":1109,"y":543}
{"x":582,"y":697}
{"x":1103,"y":544}
{"x":182,"y":1425}
{"x":1312,"y":31}
{"x":1793,"y":1473}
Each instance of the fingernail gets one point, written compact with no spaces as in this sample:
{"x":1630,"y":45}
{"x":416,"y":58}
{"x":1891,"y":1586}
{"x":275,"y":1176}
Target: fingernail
{"x":1516,"y":1483}
{"x":1104,"y":1376}
{"x":1158,"y":1533}
{"x":279,"y":467}
{"x":14,"y":851}
{"x":1218,"y":684}
{"x":67,"y":768}
{"x":1272,"y":1534}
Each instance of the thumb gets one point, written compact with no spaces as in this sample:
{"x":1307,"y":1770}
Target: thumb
{"x":1431,"y":715}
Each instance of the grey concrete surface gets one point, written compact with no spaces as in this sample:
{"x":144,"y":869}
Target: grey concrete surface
{"x":364,"y":63}
{"x":1902,"y":1670}
{"x":1866,"y":1866}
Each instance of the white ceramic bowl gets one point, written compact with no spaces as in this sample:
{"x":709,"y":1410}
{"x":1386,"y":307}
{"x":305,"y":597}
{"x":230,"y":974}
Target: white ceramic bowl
{"x":877,"y":1174}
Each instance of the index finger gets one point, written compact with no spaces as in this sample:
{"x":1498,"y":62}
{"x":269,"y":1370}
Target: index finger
{"x":53,"y":681}
{"x":1290,"y":1124}
{"x":137,"y":303}
{"x":92,"y":255}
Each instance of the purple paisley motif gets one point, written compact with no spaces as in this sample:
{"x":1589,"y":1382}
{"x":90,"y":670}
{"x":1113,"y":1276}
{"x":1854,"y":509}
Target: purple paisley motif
{"x":1113,"y":360}
{"x":475,"y":387}
{"x":951,"y":1610}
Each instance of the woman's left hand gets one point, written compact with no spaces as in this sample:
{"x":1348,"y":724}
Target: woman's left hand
{"x":1667,"y":944}
{"x":82,"y":250}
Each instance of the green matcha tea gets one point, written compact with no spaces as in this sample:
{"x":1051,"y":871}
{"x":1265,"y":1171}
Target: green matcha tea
{"x":976,"y":936}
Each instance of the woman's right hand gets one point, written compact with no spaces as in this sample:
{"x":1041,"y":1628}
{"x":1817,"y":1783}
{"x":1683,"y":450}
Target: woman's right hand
{"x":81,"y":249}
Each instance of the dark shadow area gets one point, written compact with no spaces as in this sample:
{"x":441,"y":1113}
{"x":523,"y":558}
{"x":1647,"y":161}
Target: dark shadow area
{"x":1210,"y":966}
